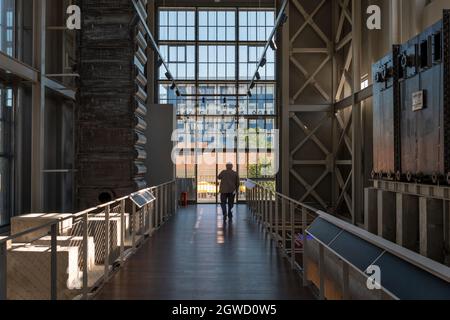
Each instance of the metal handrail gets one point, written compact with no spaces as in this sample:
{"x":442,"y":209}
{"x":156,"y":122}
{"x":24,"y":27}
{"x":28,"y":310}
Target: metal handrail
{"x":413,"y":258}
{"x":91,"y":225}
{"x":77,"y":215}
{"x":298,"y":203}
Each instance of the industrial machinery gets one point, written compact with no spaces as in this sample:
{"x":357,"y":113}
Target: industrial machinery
{"x":412,"y":109}
{"x":385,"y":88}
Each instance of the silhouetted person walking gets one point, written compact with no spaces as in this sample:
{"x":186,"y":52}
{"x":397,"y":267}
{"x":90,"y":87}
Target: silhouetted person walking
{"x":229,"y":186}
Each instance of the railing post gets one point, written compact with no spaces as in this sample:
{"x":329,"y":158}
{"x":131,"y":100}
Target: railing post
{"x":160,"y":209}
{"x":54,"y":262}
{"x":266,"y":208}
{"x":270,"y":214}
{"x":150,"y":218}
{"x":166,"y":207}
{"x":256,"y":200}
{"x":292,"y":216}
{"x":305,"y":242}
{"x":122,"y":230}
{"x":345,"y":281}
{"x":276,"y":218}
{"x":107,"y":241}
{"x":85,"y":256}
{"x":3,"y":270}
{"x":155,"y":211}
{"x":133,"y":226}
{"x":251,"y":191}
{"x":174,"y":198}
{"x":261,"y":212}
{"x":170,"y":199}
{"x":321,"y":272}
{"x":283,"y":222}
{"x":252,"y":202}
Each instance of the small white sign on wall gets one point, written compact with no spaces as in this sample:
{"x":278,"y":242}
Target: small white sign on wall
{"x":418,"y":100}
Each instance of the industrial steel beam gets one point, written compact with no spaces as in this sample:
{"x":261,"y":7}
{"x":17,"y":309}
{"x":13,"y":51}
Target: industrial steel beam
{"x":14,"y":68}
{"x":38,"y":107}
{"x":357,"y":97}
{"x":357,"y":127}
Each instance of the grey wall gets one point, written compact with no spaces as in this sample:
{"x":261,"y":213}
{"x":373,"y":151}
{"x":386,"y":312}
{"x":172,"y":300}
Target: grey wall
{"x":161,"y":123}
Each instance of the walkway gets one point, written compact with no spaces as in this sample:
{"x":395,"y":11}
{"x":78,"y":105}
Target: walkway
{"x":196,"y":257}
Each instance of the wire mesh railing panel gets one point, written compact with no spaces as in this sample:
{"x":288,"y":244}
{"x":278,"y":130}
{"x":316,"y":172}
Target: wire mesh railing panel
{"x":68,"y":256}
{"x":284,"y":219}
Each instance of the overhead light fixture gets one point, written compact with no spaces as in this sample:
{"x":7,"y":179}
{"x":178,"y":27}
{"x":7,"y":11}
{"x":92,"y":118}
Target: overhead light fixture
{"x":273,"y":44}
{"x":169,"y":76}
{"x":252,"y":85}
{"x":173,"y":86}
{"x":159,"y":63}
{"x":258,"y":76}
{"x":249,"y":93}
{"x":263,"y":62}
{"x":178,"y":93}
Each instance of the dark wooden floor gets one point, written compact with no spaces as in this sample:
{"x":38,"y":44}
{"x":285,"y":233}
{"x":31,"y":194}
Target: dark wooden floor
{"x":196,"y":257}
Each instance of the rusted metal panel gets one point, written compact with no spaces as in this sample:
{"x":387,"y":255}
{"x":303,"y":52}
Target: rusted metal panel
{"x":423,"y":133}
{"x":384,"y":117}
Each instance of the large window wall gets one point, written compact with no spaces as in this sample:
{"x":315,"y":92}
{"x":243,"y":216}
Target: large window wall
{"x":212,"y":54}
{"x":6,"y":154}
{"x":7,"y":17}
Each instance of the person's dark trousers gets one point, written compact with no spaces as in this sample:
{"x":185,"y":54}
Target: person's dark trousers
{"x":227,"y":199}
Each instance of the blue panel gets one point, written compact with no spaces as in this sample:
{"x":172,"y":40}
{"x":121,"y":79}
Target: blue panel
{"x":323,"y":230}
{"x":408,"y":282}
{"x":358,"y":252}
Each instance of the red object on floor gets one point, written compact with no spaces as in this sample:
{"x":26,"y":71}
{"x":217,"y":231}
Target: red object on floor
{"x":184,"y":199}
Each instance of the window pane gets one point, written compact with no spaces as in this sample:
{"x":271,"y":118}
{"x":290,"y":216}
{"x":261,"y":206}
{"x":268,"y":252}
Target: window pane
{"x":190,"y":54}
{"x":231,"y":18}
{"x":221,"y":19}
{"x":203,"y":33}
{"x":212,"y":18}
{"x":181,"y":54}
{"x":190,"y":19}
{"x":212,"y":33}
{"x":231,"y":34}
{"x":163,"y":18}
{"x":203,"y":18}
{"x":243,"y":18}
{"x":172,"y":18}
{"x":190,"y":33}
{"x":252,"y":18}
{"x":221,"y":34}
{"x":181,"y":33}
{"x":203,"y":53}
{"x":181,"y":18}
{"x":163,"y":33}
